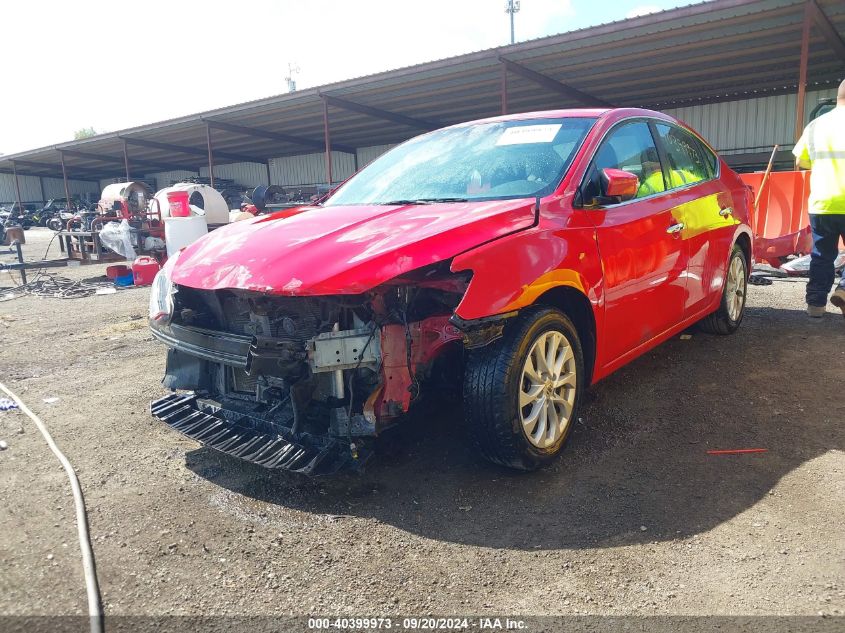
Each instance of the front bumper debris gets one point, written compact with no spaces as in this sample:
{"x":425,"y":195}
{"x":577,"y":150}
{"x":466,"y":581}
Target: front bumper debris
{"x":247,"y":438}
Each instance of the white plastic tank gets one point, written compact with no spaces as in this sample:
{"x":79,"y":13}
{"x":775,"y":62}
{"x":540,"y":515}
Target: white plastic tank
{"x":180,"y":232}
{"x":206,"y":199}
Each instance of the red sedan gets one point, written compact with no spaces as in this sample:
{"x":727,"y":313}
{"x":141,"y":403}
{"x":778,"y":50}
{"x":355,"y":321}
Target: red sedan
{"x":523,"y":257}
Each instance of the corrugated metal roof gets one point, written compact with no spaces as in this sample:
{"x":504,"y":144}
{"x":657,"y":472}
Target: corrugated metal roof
{"x":708,"y":52}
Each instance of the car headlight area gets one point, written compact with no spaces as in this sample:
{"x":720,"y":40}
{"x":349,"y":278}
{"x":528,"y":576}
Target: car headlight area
{"x":161,"y":295}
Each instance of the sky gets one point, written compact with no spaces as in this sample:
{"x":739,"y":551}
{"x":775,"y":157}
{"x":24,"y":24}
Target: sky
{"x":117,"y":64}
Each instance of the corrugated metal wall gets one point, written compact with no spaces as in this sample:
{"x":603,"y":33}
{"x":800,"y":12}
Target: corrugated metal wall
{"x":55,"y":188}
{"x":366,"y":155}
{"x":310,"y":169}
{"x":750,"y":124}
{"x":164,"y":178}
{"x":246,"y":174}
{"x":30,"y":189}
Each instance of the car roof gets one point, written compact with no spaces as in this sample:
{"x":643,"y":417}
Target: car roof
{"x":596,"y":113}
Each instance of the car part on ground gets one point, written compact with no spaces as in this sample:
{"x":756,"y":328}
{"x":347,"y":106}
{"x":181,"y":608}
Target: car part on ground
{"x":780,"y":213}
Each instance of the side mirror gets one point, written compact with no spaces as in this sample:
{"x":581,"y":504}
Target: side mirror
{"x":620,"y":184}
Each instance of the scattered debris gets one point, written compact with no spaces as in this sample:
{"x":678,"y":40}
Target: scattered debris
{"x":3,"y":445}
{"x":768,"y":271}
{"x":686,"y":337}
{"x":738,"y":451}
{"x":464,"y":508}
{"x":643,"y":528}
{"x":759,"y":280}
{"x":49,"y":285}
{"x":6,"y":404}
{"x":798,"y":267}
{"x":51,"y":400}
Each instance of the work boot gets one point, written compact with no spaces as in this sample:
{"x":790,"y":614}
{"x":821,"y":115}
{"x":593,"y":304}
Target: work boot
{"x":838,"y":299}
{"x":816,"y":312}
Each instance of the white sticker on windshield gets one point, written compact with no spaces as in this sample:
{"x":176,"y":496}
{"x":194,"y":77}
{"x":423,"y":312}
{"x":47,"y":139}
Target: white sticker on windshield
{"x":523,"y":134}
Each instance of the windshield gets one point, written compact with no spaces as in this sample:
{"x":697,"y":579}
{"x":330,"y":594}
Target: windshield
{"x":487,"y":161}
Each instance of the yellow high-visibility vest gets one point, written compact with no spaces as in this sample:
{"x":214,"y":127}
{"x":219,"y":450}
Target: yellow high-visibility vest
{"x":823,"y":146}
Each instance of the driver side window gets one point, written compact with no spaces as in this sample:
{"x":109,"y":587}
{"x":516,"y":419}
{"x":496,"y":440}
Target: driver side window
{"x":630,"y":147}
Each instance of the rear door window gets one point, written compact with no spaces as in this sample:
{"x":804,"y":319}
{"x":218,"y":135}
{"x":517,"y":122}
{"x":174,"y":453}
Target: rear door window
{"x":629,"y":147}
{"x":688,"y":163}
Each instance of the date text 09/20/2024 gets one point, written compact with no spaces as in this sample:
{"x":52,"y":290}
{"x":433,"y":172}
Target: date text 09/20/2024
{"x":422,"y":623}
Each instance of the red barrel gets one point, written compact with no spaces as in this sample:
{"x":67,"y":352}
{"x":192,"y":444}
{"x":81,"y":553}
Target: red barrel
{"x":144,"y":270}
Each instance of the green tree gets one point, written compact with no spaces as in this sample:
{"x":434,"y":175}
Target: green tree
{"x":85,"y":132}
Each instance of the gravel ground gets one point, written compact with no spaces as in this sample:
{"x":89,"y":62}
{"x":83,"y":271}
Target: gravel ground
{"x":635,"y":519}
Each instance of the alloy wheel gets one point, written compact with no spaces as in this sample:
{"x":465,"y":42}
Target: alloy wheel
{"x":547,"y":389}
{"x":736,"y":288}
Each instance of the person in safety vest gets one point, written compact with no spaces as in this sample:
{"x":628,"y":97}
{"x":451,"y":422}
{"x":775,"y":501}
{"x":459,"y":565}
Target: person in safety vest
{"x":652,"y":176}
{"x":822,"y":149}
{"x":653,"y":181}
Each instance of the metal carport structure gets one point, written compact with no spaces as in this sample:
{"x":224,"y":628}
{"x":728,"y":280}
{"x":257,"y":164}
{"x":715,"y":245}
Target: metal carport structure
{"x":711,"y":52}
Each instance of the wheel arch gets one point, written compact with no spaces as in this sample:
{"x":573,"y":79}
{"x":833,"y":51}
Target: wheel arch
{"x":743,"y":240}
{"x":577,"y":307}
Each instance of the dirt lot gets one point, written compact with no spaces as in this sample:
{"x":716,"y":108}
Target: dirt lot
{"x":635,"y":519}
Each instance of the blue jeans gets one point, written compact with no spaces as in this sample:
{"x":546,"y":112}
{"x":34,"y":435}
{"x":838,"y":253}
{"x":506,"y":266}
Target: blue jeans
{"x":827,"y":229}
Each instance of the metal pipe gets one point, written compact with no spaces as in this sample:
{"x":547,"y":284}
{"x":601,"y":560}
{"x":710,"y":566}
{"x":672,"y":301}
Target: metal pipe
{"x":338,"y":373}
{"x":64,"y":179}
{"x":19,"y":252}
{"x":17,"y":187}
{"x":504,"y":88}
{"x":802,"y":71}
{"x":210,"y":154}
{"x":328,"y":141}
{"x":126,"y":161}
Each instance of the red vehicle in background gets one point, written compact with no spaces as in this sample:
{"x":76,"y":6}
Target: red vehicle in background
{"x":521,"y":258}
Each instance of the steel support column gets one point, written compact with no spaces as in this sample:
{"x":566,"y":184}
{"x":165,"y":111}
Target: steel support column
{"x":504,"y":88}
{"x":210,"y":154}
{"x":64,"y":178}
{"x":17,"y":187}
{"x":802,"y":70}
{"x":126,"y":161}
{"x":327,"y":141}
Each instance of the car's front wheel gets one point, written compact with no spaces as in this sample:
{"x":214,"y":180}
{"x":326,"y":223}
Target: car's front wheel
{"x":522,"y":392}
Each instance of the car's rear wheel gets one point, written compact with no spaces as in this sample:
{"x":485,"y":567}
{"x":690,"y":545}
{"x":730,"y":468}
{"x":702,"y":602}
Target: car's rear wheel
{"x":726,"y":319}
{"x":522,"y":392}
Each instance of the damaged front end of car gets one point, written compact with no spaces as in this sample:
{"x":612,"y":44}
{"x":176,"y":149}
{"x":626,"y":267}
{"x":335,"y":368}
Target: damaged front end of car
{"x":303,"y":383}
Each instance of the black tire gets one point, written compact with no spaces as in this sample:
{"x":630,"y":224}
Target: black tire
{"x":492,"y":384}
{"x":55,"y":224}
{"x":720,"y":322}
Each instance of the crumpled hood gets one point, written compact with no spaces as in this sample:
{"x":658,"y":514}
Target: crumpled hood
{"x":344,"y":249}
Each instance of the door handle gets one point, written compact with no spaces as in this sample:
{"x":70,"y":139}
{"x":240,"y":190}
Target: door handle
{"x":675,"y":228}
{"x":726,"y":212}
